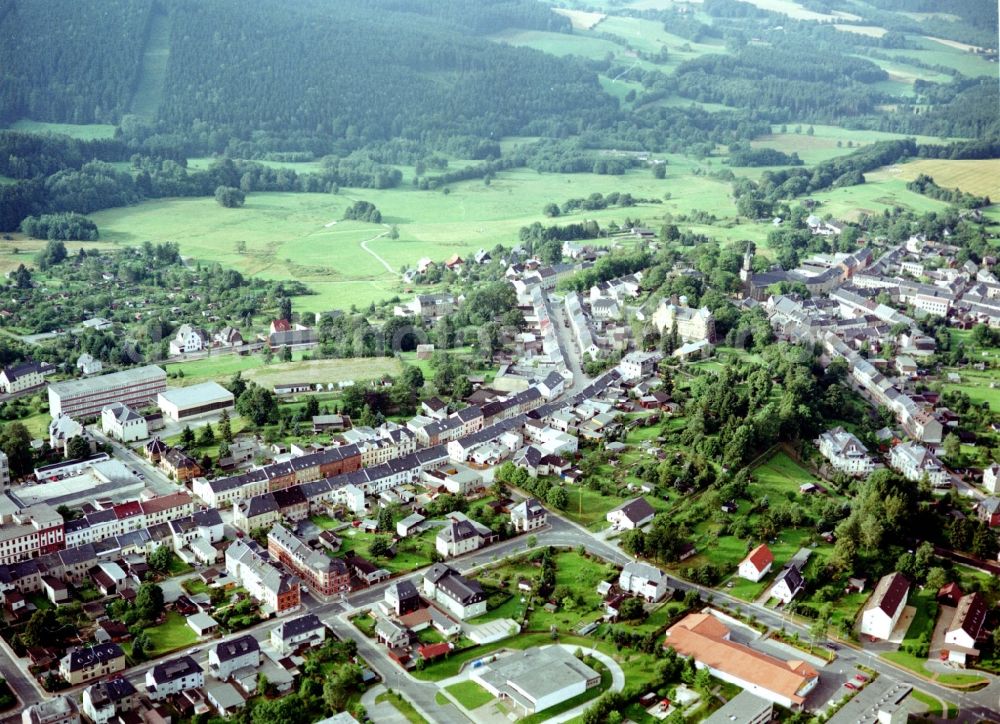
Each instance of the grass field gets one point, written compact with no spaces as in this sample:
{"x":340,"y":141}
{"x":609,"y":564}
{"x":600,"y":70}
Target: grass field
{"x":880,"y":192}
{"x":222,"y":367}
{"x":172,"y":634}
{"x":84,"y":132}
{"x":797,"y":12}
{"x":470,"y":694}
{"x":153,"y":70}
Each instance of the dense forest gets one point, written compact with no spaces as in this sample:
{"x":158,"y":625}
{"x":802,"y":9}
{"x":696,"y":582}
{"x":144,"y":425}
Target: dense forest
{"x":362,"y":87}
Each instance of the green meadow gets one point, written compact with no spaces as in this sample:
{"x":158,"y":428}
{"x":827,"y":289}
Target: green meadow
{"x":84,"y":132}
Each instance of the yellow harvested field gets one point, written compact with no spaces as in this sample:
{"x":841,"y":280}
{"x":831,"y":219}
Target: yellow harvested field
{"x":580,"y":19}
{"x":873,"y":31}
{"x":324,"y":370}
{"x":981,"y":178}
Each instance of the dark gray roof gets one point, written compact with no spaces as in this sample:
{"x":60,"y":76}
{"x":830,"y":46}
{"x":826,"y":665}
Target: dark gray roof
{"x":174,"y":669}
{"x":298,"y":626}
{"x":93,"y":656}
{"x":229,"y":650}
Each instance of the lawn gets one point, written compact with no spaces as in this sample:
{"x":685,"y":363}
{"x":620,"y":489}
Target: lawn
{"x":470,"y":694}
{"x":589,"y":507}
{"x":172,"y":634}
{"x":325,"y":522}
{"x":412,"y":553}
{"x":221,"y":368}
{"x":178,"y":567}
{"x":402,"y":706}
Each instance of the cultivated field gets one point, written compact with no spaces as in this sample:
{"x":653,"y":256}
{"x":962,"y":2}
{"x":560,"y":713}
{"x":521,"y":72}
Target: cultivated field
{"x":822,"y":144}
{"x":975,"y":177}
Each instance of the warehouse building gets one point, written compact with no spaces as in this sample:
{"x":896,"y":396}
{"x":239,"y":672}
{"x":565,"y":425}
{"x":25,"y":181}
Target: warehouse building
{"x":184,"y":402}
{"x":85,"y":398}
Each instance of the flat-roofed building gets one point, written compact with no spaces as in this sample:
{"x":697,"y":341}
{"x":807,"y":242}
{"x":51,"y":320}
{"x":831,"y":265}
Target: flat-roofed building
{"x":184,"y":402}
{"x":83,"y":398}
{"x":744,"y":708}
{"x":536,"y":679}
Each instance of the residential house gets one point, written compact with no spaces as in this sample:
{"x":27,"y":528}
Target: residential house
{"x":528,"y":515}
{"x":632,"y":514}
{"x":228,"y":337}
{"x":89,"y":365}
{"x":293,"y":633}
{"x":991,"y":478}
{"x":21,"y":377}
{"x":324,"y":575}
{"x":787,"y":585}
{"x":845,"y":452}
{"x":402,"y":597}
{"x":643,"y":580}
{"x":460,"y":596}
{"x":988,"y":511}
{"x":188,"y":339}
{"x":106,"y":700}
{"x":962,"y":638}
{"x":885,"y":606}
{"x":757,"y":563}
{"x":179,"y":466}
{"x":390,"y":633}
{"x":123,"y":423}
{"x":277,"y":591}
{"x":226,"y":657}
{"x":173,"y":677}
{"x":92,"y":662}
{"x":914,"y":461}
{"x":461,"y":535}
{"x":637,"y":366}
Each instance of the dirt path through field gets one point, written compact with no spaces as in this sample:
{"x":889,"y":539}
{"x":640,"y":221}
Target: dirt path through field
{"x":383,"y":262}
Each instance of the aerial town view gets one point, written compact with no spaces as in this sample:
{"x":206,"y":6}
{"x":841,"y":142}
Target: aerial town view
{"x":491,"y":361}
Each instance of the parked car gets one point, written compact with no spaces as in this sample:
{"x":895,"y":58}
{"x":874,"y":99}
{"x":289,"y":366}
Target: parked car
{"x":852,"y":687}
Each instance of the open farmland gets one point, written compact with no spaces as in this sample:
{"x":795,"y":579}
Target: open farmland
{"x":84,"y":132}
{"x":975,"y":177}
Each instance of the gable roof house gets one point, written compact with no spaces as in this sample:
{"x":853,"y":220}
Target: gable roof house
{"x":632,"y":514}
{"x":966,"y":628}
{"x":643,"y":580}
{"x":757,"y":563}
{"x":461,"y":596}
{"x":885,"y":606}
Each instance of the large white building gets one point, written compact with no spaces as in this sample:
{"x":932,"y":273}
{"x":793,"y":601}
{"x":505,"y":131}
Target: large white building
{"x":82,"y":398}
{"x":643,"y":580}
{"x":706,"y":639}
{"x":181,"y":403}
{"x":885,"y":606}
{"x":693,"y":325}
{"x":845,"y":452}
{"x":123,"y":423}
{"x":914,"y":461}
{"x":536,"y":679}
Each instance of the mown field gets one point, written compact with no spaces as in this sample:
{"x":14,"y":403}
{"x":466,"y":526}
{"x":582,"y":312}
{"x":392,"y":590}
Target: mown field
{"x":81,"y":131}
{"x":976,"y":177}
{"x":221,"y":368}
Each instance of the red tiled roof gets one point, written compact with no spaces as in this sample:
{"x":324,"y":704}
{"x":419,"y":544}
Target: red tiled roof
{"x":432,"y":651}
{"x":127,"y":510}
{"x":760,"y":557}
